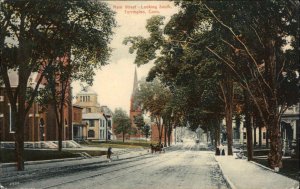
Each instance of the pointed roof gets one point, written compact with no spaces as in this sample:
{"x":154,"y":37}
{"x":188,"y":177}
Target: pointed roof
{"x":135,"y":82}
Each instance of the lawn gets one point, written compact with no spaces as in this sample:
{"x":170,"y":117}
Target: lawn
{"x":119,"y":144}
{"x":8,"y":155}
{"x":290,"y":167}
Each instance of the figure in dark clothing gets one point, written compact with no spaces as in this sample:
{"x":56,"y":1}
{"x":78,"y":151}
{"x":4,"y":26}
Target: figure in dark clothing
{"x":223,"y":152}
{"x":109,"y":152}
{"x":217,"y":151}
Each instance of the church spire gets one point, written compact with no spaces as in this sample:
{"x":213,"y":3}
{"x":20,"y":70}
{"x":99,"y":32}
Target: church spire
{"x":135,"y":88}
{"x":135,"y":82}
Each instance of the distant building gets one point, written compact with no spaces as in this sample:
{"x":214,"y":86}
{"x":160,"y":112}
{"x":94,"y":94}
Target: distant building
{"x":98,"y":124}
{"x":109,"y":117}
{"x":289,"y":130}
{"x":88,"y":100}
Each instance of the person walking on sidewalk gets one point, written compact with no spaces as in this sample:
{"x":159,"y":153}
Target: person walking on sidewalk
{"x":109,"y":152}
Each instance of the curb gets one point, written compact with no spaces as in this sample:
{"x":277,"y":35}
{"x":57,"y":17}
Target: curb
{"x":262,"y":166}
{"x":296,"y":186}
{"x":6,"y":165}
{"x":229,"y":182}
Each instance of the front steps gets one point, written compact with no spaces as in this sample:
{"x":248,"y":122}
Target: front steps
{"x":42,"y":144}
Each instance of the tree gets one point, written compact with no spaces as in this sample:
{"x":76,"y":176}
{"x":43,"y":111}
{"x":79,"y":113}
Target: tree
{"x":153,"y":98}
{"x":146,"y":130}
{"x":179,"y":66}
{"x":122,"y":122}
{"x":139,"y":121}
{"x":254,"y":57}
{"x":262,"y":69}
{"x":141,"y":125}
{"x":34,"y":34}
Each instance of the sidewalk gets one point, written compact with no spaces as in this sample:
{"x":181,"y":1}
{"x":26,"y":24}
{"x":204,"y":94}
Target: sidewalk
{"x":242,"y":174}
{"x":9,"y":169}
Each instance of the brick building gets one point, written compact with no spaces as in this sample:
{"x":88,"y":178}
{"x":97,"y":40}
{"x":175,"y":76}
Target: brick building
{"x":40,"y":123}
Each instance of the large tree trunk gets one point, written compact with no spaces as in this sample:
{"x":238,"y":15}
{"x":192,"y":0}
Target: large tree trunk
{"x":275,"y":154}
{"x":249,"y":136}
{"x":272,"y":118}
{"x":267,"y":137}
{"x":228,"y":92}
{"x":259,"y":136}
{"x":19,"y":142}
{"x":20,"y":120}
{"x":212,"y":131}
{"x":165,"y":134}
{"x":123,"y":136}
{"x":169,"y":134}
{"x":229,"y":128}
{"x":159,"y":128}
{"x":248,"y":125}
{"x":254,"y":133}
{"x":217,"y":134}
{"x":60,"y":128}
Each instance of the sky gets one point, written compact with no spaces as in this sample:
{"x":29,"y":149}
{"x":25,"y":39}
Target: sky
{"x":114,"y":82}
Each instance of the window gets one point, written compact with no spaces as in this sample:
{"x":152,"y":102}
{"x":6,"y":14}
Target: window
{"x":101,"y":134}
{"x":81,"y":99}
{"x":42,"y":122}
{"x":264,"y":135}
{"x":245,"y":136}
{"x":92,"y":123}
{"x":91,"y":133}
{"x":89,"y":110}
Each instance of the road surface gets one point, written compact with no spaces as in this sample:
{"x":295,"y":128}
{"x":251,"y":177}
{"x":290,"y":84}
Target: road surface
{"x":180,"y":167}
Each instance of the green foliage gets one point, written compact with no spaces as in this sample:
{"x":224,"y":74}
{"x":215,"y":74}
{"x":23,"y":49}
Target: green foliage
{"x":153,"y":97}
{"x":139,"y":121}
{"x":185,"y":69}
{"x":141,"y":125}
{"x":121,"y":122}
{"x":146,"y":130}
{"x":36,"y":35}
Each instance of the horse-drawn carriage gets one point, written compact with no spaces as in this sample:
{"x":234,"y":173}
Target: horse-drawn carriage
{"x":157,"y":148}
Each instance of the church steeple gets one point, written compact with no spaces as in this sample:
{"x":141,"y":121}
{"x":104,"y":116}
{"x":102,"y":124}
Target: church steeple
{"x":135,"y":82}
{"x":135,"y":88}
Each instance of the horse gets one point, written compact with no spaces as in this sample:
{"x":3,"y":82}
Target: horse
{"x":156,"y":148}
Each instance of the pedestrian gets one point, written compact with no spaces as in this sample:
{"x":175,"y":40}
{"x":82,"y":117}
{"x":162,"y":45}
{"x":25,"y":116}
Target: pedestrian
{"x":223,"y":152}
{"x":109,"y":152}
{"x":218,"y":151}
{"x":151,"y":148}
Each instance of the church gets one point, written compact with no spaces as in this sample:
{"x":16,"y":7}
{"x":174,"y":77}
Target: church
{"x":134,"y":108}
{"x":40,"y":123}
